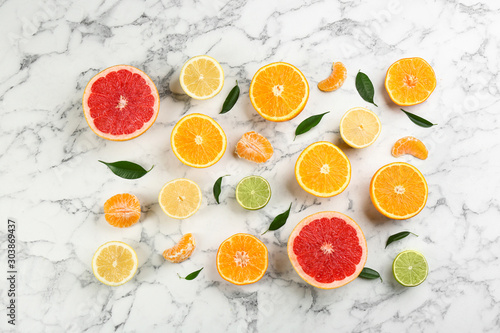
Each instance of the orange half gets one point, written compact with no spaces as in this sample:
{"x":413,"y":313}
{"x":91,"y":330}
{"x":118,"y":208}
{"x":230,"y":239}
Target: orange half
{"x":398,"y":190}
{"x":198,"y":141}
{"x":279,"y":91}
{"x":323,"y":170}
{"x":242,"y":259}
{"x":410,"y":81}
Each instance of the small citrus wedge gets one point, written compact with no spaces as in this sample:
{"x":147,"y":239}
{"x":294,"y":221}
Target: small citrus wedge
{"x":180,"y":198}
{"x":198,"y":141}
{"x":410,"y":145}
{"x":182,"y":250}
{"x":336,"y":78}
{"x":410,"y":81}
{"x":242,"y":259}
{"x":114,"y":263}
{"x":360,"y":127}
{"x":279,"y":91}
{"x":398,"y":190}
{"x":202,"y":77}
{"x":254,"y":147}
{"x":410,"y":268}
{"x":323,"y":170}
{"x":122,"y":210}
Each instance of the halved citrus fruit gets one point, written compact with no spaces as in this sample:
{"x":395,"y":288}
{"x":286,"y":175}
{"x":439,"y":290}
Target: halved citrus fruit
{"x":202,"y":77}
{"x":242,"y":259}
{"x":279,"y":91}
{"x":410,"y":81}
{"x":122,"y":210}
{"x":323,"y":170}
{"x":360,"y":127}
{"x":253,"y":192}
{"x":198,"y":141}
{"x":410,"y":268}
{"x":327,"y":249}
{"x":336,"y":78}
{"x":254,"y":147}
{"x":114,"y":263}
{"x":398,"y":190}
{"x":120,"y":103}
{"x":410,"y":145}
{"x":182,"y":250}
{"x":180,"y":198}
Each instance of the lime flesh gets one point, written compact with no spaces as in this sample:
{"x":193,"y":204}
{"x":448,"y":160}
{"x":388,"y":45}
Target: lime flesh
{"x":410,"y":268}
{"x":253,"y":192}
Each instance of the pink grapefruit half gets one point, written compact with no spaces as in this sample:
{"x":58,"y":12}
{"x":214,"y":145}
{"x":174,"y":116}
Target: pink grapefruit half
{"x":120,"y":103}
{"x":327,"y":249}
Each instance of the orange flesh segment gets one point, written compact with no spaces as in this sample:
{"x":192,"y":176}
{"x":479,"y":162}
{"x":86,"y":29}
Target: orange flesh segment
{"x":242,"y":259}
{"x":410,"y":81}
{"x":122,"y":210}
{"x":336,"y":78}
{"x":182,"y":250}
{"x":254,"y":147}
{"x":410,"y":145}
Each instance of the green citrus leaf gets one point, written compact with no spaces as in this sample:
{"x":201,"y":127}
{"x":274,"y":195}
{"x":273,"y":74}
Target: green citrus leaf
{"x":231,"y":99}
{"x":398,"y":236}
{"x":418,"y":120}
{"x":279,"y":220}
{"x":370,"y":274}
{"x":365,"y":87}
{"x":191,"y":276}
{"x":217,"y":188}
{"x":127,"y":170}
{"x":308,"y":124}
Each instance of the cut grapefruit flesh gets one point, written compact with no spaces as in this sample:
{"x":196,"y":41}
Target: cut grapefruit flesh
{"x":327,"y":249}
{"x":120,"y":103}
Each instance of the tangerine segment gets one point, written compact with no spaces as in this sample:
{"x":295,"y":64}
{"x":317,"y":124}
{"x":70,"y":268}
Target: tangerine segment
{"x":410,"y":81}
{"x":336,"y":78}
{"x":202,"y":77}
{"x":254,"y":147}
{"x":410,"y":145}
{"x":198,"y":141}
{"x":120,"y":103}
{"x":327,"y":249}
{"x":279,"y":91}
{"x":242,"y":259}
{"x":122,"y":210}
{"x":114,"y":263}
{"x":182,"y":250}
{"x":398,"y":190}
{"x":180,"y":198}
{"x":323,"y":170}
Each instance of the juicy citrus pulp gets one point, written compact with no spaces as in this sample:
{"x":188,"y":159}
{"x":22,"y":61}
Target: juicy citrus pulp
{"x":120,"y":103}
{"x":323,"y":170}
{"x":336,"y":78}
{"x":114,"y":263}
{"x":410,"y":81}
{"x":360,"y":127}
{"x":182,"y":250}
{"x":254,"y":147}
{"x":242,"y":259}
{"x":198,"y":141}
{"x":279,"y":91}
{"x":122,"y":210}
{"x":253,"y":192}
{"x":327,"y":249}
{"x":202,"y":77}
{"x":410,"y":268}
{"x":410,"y":145}
{"x":180,"y":198}
{"x":398,"y":190}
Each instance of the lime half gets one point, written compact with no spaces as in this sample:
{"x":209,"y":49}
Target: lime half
{"x":410,"y":268}
{"x":253,"y":192}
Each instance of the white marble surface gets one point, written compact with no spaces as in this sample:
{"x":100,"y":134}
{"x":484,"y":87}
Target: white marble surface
{"x":53,"y":186}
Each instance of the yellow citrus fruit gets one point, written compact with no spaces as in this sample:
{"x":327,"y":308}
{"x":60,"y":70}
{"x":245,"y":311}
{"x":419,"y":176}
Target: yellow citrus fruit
{"x":198,"y":141}
{"x":180,"y":198}
{"x":279,"y":91}
{"x":114,"y":263}
{"x":398,"y":190}
{"x":323,"y":170}
{"x":360,"y":127}
{"x":202,"y":77}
